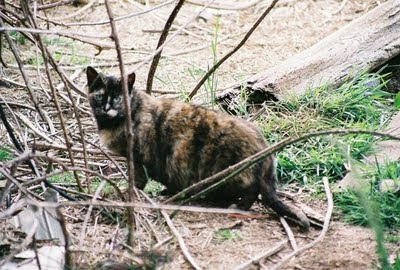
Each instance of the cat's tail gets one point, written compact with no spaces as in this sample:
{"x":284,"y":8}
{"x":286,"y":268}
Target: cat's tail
{"x":270,"y":199}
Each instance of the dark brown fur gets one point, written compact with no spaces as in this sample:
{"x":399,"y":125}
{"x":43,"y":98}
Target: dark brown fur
{"x":180,"y":144}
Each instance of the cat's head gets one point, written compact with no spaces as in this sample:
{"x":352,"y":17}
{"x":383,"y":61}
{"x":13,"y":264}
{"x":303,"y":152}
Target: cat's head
{"x":105,"y":94}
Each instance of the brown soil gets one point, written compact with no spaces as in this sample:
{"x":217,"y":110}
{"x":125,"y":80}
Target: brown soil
{"x":291,"y":27}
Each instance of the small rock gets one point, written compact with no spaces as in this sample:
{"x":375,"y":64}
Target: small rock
{"x":387,"y":185}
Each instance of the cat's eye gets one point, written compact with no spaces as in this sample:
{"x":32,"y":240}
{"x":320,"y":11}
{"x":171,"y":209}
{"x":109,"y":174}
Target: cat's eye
{"x":98,"y":98}
{"x":117,"y":99}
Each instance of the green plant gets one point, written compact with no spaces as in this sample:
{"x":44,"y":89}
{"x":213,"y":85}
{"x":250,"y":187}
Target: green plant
{"x":18,"y":37}
{"x":5,"y":154}
{"x":226,"y":235}
{"x":387,"y":203}
{"x":375,"y":223}
{"x":212,"y":81}
{"x":392,"y":238}
{"x":396,"y":265}
{"x":66,"y":177}
{"x":360,"y":103}
{"x":59,"y":41}
{"x":35,"y":60}
{"x":153,"y":188}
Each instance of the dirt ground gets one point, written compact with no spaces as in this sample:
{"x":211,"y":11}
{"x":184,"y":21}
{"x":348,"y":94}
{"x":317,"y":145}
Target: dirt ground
{"x":215,"y":241}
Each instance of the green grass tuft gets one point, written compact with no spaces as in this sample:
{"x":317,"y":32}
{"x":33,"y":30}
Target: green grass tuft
{"x":66,"y":177}
{"x":18,"y":37}
{"x":226,"y":235}
{"x":387,"y":203}
{"x":360,"y":103}
{"x":5,"y":154}
{"x":396,"y":265}
{"x":153,"y":188}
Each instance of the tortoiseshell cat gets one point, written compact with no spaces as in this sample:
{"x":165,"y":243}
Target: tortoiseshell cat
{"x":180,"y":144}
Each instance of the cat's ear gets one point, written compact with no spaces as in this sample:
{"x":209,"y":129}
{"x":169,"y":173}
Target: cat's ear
{"x":131,"y":81}
{"x":92,"y":75}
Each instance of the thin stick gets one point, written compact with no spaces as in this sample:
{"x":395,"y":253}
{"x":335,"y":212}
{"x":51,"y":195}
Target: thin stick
{"x":241,"y":43}
{"x":167,"y":207}
{"x":75,"y":108}
{"x":233,"y":170}
{"x":76,"y":13}
{"x":289,"y":233}
{"x":181,"y":242}
{"x":69,"y":262}
{"x":29,"y":155}
{"x":50,"y":32}
{"x":23,"y":245}
{"x":323,"y":232}
{"x":173,"y":36}
{"x":229,"y":6}
{"x":18,"y":146}
{"x":261,"y":256}
{"x":22,"y":70}
{"x":177,"y":235}
{"x":56,"y":4}
{"x":127,"y":104}
{"x":122,"y":17}
{"x":86,"y":220}
{"x":59,"y":112}
{"x":161,"y":40}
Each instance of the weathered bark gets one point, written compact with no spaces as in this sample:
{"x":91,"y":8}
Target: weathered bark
{"x":365,"y":43}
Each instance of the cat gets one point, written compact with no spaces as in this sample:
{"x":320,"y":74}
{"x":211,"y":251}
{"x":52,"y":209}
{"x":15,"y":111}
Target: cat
{"x":179,"y":144}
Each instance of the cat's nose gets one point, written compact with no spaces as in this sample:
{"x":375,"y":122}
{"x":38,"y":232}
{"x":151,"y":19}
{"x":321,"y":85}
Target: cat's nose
{"x":107,"y":107}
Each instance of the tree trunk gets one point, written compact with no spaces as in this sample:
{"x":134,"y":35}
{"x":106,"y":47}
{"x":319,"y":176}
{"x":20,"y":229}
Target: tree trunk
{"x":363,"y":44}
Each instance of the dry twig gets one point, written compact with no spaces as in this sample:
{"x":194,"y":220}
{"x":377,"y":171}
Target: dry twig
{"x":323,"y":232}
{"x":289,"y":233}
{"x":169,"y":207}
{"x":241,"y":43}
{"x":23,"y":245}
{"x":122,"y":17}
{"x":129,"y":132}
{"x":161,"y":40}
{"x":261,"y":256}
{"x":223,"y":176}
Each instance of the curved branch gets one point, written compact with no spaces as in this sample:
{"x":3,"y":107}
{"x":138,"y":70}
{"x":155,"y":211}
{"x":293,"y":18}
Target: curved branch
{"x":162,"y":39}
{"x":224,"y":176}
{"x":241,"y":43}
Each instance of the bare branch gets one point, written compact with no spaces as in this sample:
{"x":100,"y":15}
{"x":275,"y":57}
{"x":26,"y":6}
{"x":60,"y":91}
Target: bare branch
{"x":129,"y":132}
{"x":289,"y":232}
{"x":225,"y":175}
{"x":241,"y":43}
{"x":133,"y":205}
{"x":323,"y":232}
{"x":122,"y":17}
{"x":173,"y":36}
{"x":261,"y":256}
{"x":161,"y":40}
{"x":24,"y":76}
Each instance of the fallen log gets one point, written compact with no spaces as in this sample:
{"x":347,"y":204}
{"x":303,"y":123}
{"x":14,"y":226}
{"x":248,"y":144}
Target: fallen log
{"x":364,"y":44}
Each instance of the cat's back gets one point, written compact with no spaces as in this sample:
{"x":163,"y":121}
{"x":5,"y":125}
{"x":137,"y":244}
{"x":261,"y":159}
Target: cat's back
{"x":203,"y":126}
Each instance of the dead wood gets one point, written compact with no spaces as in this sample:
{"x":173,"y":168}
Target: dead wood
{"x":323,"y":232}
{"x":127,"y":105}
{"x":161,"y":40}
{"x":363,"y":44}
{"x":229,"y":54}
